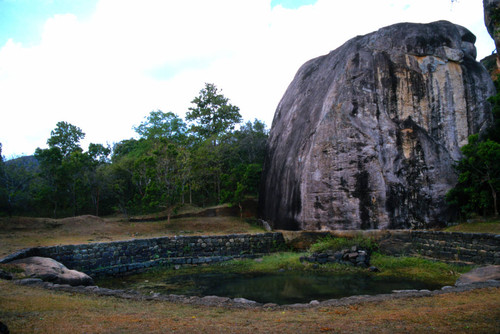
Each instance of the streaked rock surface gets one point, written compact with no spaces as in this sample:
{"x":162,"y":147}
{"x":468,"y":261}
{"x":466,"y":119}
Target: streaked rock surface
{"x":365,"y":136}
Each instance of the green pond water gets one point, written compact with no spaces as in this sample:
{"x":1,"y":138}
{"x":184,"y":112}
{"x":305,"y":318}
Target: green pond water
{"x":280,"y":288}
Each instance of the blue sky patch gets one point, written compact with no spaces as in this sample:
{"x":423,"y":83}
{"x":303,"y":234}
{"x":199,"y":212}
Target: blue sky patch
{"x":292,"y":4}
{"x":23,"y":20}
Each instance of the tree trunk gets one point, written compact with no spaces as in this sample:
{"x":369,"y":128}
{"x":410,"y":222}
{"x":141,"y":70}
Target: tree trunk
{"x":97,"y":204}
{"x":494,"y":195}
{"x":54,"y":212}
{"x":190,"y":195}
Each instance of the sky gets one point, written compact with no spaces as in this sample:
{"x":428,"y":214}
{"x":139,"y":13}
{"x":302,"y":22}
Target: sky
{"x":104,"y":65}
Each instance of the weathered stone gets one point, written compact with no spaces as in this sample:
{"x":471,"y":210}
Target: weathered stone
{"x":492,"y":20}
{"x":366,"y":136}
{"x":52,"y":271}
{"x":481,"y":274}
{"x":244,"y":301}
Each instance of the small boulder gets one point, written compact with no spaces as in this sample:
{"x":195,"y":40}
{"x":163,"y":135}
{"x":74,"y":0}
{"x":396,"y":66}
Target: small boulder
{"x":50,"y":270}
{"x":244,"y":301}
{"x":481,"y":274}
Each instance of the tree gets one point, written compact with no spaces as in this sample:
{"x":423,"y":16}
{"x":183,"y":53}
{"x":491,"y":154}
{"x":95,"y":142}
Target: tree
{"x":214,"y":119}
{"x":71,"y":179}
{"x":54,"y":179}
{"x":479,"y":179}
{"x":61,"y":166}
{"x":493,"y":132}
{"x":18,"y":180}
{"x":66,"y":137}
{"x":250,"y":142}
{"x":160,"y":125}
{"x":212,"y":114}
{"x":97,"y":156}
{"x":244,"y":157}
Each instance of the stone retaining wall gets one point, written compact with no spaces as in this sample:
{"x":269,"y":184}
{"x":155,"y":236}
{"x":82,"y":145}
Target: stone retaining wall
{"x":135,"y":255}
{"x":479,"y":248}
{"x":118,"y":257}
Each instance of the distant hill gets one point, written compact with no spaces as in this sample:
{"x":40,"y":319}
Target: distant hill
{"x":29,"y":162}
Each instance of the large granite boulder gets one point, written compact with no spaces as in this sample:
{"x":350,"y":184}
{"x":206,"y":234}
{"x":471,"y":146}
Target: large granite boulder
{"x":365,"y":137}
{"x":50,"y":270}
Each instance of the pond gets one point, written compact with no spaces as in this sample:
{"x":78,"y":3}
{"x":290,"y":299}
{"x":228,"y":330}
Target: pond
{"x":280,"y":288}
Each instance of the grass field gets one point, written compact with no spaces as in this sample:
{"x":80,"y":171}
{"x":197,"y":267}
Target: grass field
{"x":488,"y":226}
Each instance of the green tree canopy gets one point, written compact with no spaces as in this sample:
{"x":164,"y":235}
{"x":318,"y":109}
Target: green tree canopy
{"x":479,"y":179}
{"x":66,"y":137}
{"x":212,"y":114}
{"x":160,"y":125}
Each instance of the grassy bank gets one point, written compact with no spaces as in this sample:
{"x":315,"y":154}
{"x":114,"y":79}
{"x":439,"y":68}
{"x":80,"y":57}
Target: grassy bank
{"x":489,"y":226}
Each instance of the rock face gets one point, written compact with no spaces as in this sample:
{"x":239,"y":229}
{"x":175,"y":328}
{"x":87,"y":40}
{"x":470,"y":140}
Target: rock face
{"x":492,"y":19}
{"x":365,"y":136}
{"x":50,"y":270}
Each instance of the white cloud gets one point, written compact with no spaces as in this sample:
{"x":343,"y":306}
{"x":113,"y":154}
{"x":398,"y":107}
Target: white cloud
{"x":106,"y":73}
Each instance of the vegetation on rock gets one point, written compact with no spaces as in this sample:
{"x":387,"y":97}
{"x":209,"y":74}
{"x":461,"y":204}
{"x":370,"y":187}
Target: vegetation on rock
{"x":479,"y":170}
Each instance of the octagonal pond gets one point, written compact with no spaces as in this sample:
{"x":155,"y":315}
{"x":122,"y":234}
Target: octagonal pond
{"x":281,"y":288}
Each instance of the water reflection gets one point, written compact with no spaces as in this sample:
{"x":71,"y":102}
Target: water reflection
{"x":285,"y":288}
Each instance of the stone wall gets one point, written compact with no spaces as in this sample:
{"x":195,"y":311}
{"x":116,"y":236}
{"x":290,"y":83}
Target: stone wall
{"x":479,"y":248}
{"x":113,"y":258}
{"x":118,"y":257}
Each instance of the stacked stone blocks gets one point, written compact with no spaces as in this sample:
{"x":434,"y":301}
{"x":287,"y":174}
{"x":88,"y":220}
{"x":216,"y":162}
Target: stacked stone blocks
{"x":480,"y":248}
{"x":111,"y":258}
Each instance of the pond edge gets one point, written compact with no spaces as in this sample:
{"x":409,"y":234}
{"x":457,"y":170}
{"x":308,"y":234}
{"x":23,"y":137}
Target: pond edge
{"x":216,"y":301}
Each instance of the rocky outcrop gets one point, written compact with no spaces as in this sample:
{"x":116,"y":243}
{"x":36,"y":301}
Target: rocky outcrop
{"x":353,"y":257}
{"x":492,"y":20}
{"x":50,"y":270}
{"x":365,"y":137}
{"x":492,"y":23}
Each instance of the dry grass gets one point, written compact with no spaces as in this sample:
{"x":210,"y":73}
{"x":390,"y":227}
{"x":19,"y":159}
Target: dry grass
{"x":20,"y":232}
{"x":478,"y":227}
{"x":29,"y":310}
